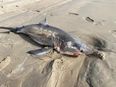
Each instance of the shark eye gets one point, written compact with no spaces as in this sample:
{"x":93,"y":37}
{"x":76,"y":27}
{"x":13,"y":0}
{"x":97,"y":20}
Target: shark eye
{"x":81,"y":51}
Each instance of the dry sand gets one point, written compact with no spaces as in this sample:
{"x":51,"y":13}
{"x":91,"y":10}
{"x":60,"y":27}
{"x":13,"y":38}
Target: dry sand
{"x":82,"y":18}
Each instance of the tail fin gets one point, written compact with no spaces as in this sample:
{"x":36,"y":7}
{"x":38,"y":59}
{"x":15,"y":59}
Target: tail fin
{"x":11,"y":29}
{"x":7,"y":28}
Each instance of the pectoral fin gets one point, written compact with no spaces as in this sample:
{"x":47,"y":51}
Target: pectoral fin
{"x":40,"y":52}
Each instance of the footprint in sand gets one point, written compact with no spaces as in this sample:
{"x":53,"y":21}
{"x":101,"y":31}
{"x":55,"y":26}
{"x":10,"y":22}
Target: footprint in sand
{"x":4,"y":63}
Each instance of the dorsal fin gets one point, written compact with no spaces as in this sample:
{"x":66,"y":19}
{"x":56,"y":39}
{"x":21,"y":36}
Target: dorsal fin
{"x":44,"y":21}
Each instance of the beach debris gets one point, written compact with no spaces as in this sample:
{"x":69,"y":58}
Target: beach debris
{"x":37,"y":10}
{"x":72,"y":13}
{"x":17,"y":5}
{"x":89,"y":19}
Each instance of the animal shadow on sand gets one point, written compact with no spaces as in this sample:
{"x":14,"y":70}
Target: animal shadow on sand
{"x":99,"y":43}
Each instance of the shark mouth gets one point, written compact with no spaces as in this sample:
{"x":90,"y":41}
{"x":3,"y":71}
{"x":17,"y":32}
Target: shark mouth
{"x":73,"y":54}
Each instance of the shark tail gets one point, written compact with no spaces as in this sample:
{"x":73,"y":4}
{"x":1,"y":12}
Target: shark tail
{"x":10,"y":29}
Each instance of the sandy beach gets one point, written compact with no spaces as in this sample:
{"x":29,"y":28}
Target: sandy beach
{"x":84,"y":19}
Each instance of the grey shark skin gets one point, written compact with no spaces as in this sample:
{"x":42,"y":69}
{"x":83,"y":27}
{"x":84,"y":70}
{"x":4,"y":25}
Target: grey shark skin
{"x":53,"y":38}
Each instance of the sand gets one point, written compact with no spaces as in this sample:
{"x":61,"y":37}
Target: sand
{"x":82,"y":18}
